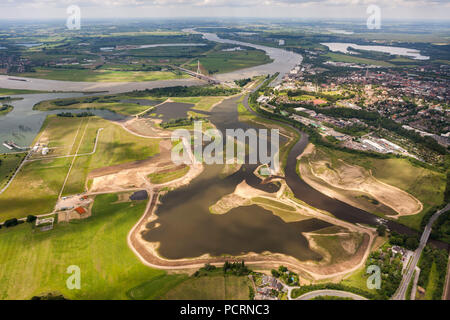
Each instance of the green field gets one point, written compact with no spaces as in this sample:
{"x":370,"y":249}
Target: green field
{"x":426,"y":185}
{"x":35,"y":262}
{"x":201,"y":103}
{"x":164,"y":177}
{"x":35,"y":189}
{"x":221,"y":62}
{"x":8,"y":165}
{"x":101,"y":75}
{"x":217,"y":287}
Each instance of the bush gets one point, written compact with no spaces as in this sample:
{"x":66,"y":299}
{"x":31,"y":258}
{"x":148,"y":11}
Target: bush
{"x":31,"y":218}
{"x":11,"y":222}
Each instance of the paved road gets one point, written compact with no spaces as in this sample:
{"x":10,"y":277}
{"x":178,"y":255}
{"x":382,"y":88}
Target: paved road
{"x":401,"y":291}
{"x":333,"y":293}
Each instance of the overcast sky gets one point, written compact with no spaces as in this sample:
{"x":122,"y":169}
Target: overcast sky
{"x":390,"y":9}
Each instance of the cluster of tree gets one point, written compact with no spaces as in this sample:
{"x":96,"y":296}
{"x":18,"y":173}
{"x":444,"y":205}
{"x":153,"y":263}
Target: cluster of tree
{"x":242,"y":82}
{"x":329,"y":97}
{"x":181,"y":122}
{"x":403,"y":240}
{"x":391,"y":271}
{"x":65,"y":102}
{"x":429,"y":257}
{"x":78,"y":115}
{"x":441,"y":228}
{"x":235,"y":268}
{"x":183,"y":91}
{"x":286,"y":276}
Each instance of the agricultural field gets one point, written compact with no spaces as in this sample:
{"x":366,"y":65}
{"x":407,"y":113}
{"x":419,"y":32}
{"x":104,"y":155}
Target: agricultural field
{"x":92,"y":244}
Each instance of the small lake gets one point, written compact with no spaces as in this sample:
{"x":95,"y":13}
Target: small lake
{"x":344,"y":48}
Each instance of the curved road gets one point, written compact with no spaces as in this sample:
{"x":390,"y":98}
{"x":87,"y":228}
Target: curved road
{"x":333,"y":293}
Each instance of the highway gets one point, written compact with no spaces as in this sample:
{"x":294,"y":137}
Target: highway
{"x":401,"y":291}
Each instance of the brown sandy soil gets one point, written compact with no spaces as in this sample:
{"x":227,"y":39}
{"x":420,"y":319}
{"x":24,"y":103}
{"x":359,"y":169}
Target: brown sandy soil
{"x":355,"y":178}
{"x":134,"y":175}
{"x":148,"y":254}
{"x":144,"y":127}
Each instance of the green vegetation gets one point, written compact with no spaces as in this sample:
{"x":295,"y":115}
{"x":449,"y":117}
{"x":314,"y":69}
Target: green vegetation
{"x":91,"y":75}
{"x":211,"y":283}
{"x":35,"y":189}
{"x":5,"y":109}
{"x":10,"y":92}
{"x":273,"y":203}
{"x":352,"y":59}
{"x":168,"y":175}
{"x":286,"y":276}
{"x":8,"y":165}
{"x":221,"y":61}
{"x":180,"y":91}
{"x":97,"y":245}
{"x":433,"y":269}
{"x":331,"y":286}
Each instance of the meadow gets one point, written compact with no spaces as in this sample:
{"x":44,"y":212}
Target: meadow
{"x":97,"y":245}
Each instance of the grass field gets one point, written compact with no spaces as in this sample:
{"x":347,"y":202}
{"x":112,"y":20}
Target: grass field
{"x":217,"y":287}
{"x":35,"y":262}
{"x":8,"y":164}
{"x":35,"y":189}
{"x":164,"y":177}
{"x":432,"y":282}
{"x":221,"y":62}
{"x":201,"y":103}
{"x":424,"y":184}
{"x":101,"y":75}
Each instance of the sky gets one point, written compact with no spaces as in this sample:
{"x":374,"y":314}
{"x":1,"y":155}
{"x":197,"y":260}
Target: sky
{"x":355,"y":9}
